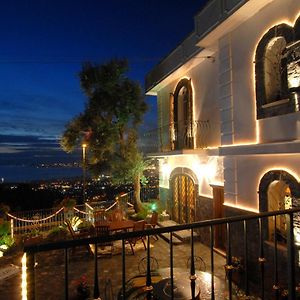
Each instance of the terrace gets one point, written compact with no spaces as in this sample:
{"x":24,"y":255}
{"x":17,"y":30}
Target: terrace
{"x":52,"y":270}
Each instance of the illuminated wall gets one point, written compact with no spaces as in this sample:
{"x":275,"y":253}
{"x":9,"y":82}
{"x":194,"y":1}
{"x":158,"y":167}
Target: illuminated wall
{"x":249,"y":172}
{"x":209,"y":170}
{"x":203,"y":78}
{"x":242,"y":43}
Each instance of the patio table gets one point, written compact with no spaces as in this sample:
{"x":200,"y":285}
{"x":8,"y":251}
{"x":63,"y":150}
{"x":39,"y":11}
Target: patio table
{"x":122,"y":225}
{"x":135,"y":287}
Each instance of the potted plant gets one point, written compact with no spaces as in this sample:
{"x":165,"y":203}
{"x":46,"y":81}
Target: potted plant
{"x":82,"y":288}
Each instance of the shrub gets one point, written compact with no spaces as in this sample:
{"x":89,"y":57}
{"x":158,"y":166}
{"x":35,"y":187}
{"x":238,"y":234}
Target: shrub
{"x":68,"y":202}
{"x":4,"y":228}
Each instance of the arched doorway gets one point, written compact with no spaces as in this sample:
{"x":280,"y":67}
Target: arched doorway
{"x":183,"y":199}
{"x":278,"y":190}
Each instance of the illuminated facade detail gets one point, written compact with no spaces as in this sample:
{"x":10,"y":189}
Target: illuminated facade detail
{"x":182,"y":122}
{"x":277,"y":71}
{"x":253,"y":89}
{"x":279,"y":190}
{"x":183,"y":205}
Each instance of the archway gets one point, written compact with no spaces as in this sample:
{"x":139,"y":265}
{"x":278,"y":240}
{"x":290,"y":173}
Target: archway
{"x":183,"y":200}
{"x":278,"y":190}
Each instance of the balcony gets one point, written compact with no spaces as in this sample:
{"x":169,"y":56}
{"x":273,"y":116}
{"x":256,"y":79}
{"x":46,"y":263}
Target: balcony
{"x":178,"y":136}
{"x":261,"y":273}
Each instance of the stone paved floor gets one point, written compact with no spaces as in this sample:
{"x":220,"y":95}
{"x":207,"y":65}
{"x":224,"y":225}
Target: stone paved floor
{"x":50,"y":268}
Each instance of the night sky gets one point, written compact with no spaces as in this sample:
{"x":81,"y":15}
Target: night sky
{"x":44,"y":42}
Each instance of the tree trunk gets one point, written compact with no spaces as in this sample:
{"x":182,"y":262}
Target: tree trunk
{"x":136,"y":194}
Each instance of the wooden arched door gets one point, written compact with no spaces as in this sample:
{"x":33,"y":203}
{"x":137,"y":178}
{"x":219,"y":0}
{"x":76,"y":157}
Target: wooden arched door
{"x":183,"y":200}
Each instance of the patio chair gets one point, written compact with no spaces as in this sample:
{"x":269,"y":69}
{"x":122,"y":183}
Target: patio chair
{"x":138,"y":226}
{"x":102,"y":230}
{"x":153,"y":222}
{"x":100,"y":216}
{"x":199,"y":263}
{"x":116,"y":215}
{"x":78,"y":235}
{"x":142,"y":266}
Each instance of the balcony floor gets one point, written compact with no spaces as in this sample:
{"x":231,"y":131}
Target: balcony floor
{"x":50,"y":269}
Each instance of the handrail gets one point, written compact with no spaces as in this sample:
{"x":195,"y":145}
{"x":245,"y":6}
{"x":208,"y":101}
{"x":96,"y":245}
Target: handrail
{"x":153,"y":231}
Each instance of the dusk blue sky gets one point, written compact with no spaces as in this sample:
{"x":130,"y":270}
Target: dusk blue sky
{"x":43,"y":44}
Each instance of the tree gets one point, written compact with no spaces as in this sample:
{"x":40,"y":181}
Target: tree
{"x":109,"y":122}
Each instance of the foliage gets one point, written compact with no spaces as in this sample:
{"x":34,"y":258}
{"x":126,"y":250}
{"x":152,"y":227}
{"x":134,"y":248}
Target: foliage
{"x":68,"y":202}
{"x":85,"y":224}
{"x":75,"y":222}
{"x":4,"y":228}
{"x":4,"y":208}
{"x":108,"y":125}
{"x":7,"y":240}
{"x":82,"y":287}
{"x":57,"y":233}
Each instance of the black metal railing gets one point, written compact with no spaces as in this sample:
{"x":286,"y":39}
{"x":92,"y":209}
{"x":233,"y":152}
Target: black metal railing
{"x":177,"y":136}
{"x":250,"y":239}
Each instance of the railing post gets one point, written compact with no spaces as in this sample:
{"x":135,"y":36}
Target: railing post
{"x":276,"y":286}
{"x":123,"y":271}
{"x":30,"y":276}
{"x":261,"y":259}
{"x":212,"y":262}
{"x":96,"y":281}
{"x":149,"y":286}
{"x":171,"y":266}
{"x":291,"y":256}
{"x":66,"y":274}
{"x":245,"y":227}
{"x":193,"y":276}
{"x":229,"y":266}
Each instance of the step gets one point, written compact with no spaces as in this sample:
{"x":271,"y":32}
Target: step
{"x":166,"y":237}
{"x":183,"y":235}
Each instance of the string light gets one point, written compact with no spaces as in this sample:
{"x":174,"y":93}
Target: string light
{"x":35,"y":220}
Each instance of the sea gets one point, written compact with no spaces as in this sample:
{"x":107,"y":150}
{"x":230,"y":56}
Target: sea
{"x":19,"y":173}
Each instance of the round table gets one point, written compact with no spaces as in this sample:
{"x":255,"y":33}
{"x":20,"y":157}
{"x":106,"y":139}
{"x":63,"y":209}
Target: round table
{"x":135,"y":287}
{"x":182,"y":285}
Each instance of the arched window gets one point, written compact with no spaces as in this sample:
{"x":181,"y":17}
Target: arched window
{"x":277,"y":72}
{"x":182,"y":123}
{"x":273,"y":70}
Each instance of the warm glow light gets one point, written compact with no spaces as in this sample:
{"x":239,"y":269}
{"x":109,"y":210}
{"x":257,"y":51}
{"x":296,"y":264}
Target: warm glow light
{"x":166,"y":169}
{"x":243,"y":207}
{"x":206,"y":277}
{"x":296,"y":102}
{"x":12,"y":229}
{"x":84,"y":145}
{"x":277,"y":168}
{"x":24,"y":278}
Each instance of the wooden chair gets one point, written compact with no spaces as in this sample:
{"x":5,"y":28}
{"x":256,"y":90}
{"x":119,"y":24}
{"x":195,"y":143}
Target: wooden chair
{"x":102,"y":230}
{"x":138,"y":226}
{"x":153,"y":222}
{"x":116,"y":215}
{"x":100,"y":216}
{"x":78,"y":235}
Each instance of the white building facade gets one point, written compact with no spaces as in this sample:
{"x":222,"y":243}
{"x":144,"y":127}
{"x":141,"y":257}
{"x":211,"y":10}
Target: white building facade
{"x":228,"y":113}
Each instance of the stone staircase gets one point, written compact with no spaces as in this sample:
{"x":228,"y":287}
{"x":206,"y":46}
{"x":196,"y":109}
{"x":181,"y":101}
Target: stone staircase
{"x":179,"y":237}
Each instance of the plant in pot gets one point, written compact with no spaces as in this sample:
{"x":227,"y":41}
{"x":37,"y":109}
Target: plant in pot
{"x":82,"y":288}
